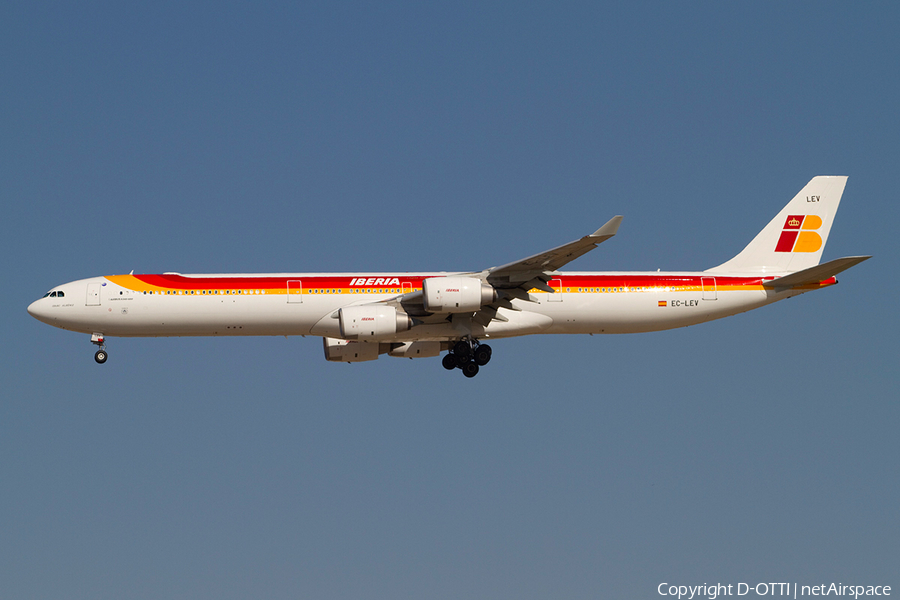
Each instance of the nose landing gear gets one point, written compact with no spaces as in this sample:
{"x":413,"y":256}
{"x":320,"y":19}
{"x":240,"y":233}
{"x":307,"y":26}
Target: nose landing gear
{"x":100,"y":355}
{"x":467,"y":355}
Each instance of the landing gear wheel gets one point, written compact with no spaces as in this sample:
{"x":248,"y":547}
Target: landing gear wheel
{"x":462,"y":350}
{"x":449,"y":361}
{"x":482,"y":355}
{"x":100,"y":356}
{"x":470,"y":369}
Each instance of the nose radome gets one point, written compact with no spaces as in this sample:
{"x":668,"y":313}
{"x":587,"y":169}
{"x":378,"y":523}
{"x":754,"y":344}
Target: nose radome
{"x":37,"y":310}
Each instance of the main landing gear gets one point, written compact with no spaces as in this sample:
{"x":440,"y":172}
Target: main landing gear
{"x":467,"y":355}
{"x":100,"y":355}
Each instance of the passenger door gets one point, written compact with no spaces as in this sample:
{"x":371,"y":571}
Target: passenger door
{"x":709,"y":287}
{"x":93,"y":295}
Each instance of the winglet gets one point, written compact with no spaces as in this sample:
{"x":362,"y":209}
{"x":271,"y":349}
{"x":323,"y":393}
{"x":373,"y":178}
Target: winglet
{"x":609,"y":229}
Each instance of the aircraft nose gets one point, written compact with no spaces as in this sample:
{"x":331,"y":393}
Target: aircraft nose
{"x":37,"y":310}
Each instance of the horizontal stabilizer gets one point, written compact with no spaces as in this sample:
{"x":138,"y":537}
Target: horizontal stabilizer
{"x":817,"y":274}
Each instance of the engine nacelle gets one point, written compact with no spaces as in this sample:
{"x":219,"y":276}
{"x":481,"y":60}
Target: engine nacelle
{"x":344,"y":351}
{"x":372,"y":322}
{"x":456,"y":294}
{"x":416,"y":349}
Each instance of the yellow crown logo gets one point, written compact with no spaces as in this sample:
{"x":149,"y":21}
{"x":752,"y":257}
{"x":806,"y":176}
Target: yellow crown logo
{"x":794,"y":222}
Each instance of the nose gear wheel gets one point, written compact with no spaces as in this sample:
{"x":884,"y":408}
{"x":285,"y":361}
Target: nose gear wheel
{"x":100,"y":355}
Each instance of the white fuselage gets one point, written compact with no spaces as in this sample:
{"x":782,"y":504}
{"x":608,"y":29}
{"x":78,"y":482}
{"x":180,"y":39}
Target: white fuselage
{"x":305,"y":304}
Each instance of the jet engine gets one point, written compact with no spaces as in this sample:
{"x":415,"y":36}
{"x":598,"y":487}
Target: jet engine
{"x":372,"y":322}
{"x":456,"y":294}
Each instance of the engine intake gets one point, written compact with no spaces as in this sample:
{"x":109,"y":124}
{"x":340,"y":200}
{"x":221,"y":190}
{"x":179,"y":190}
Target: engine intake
{"x":456,"y":294}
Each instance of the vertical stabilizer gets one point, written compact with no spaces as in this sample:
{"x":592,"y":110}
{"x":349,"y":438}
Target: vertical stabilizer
{"x":795,"y":238}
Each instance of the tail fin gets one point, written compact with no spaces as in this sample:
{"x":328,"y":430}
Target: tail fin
{"x":795,"y":238}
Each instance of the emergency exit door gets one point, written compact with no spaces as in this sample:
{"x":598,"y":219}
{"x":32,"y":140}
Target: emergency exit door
{"x":295,"y":291}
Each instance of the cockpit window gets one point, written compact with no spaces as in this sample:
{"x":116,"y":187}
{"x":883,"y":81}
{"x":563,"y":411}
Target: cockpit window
{"x":45,"y":295}
{"x":53,"y":294}
{"x":60,"y":294}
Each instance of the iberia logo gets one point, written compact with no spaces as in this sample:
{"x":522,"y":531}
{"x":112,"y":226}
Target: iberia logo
{"x":799,"y":234}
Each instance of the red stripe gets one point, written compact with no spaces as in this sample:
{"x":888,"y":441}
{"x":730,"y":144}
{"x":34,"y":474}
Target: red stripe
{"x":326,"y":281}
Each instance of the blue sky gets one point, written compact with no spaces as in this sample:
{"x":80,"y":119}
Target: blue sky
{"x":234,"y":137}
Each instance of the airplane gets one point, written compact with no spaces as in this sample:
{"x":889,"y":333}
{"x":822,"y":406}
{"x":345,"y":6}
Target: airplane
{"x":361,"y":316}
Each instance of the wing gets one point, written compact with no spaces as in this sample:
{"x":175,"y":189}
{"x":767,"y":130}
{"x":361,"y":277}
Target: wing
{"x":513,"y":280}
{"x":516,"y":274}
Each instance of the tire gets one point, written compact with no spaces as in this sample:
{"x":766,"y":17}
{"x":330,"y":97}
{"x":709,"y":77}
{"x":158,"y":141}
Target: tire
{"x":449,"y":361}
{"x":470,"y":369}
{"x":462,"y":350}
{"x":482,"y":355}
{"x":100,"y":356}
